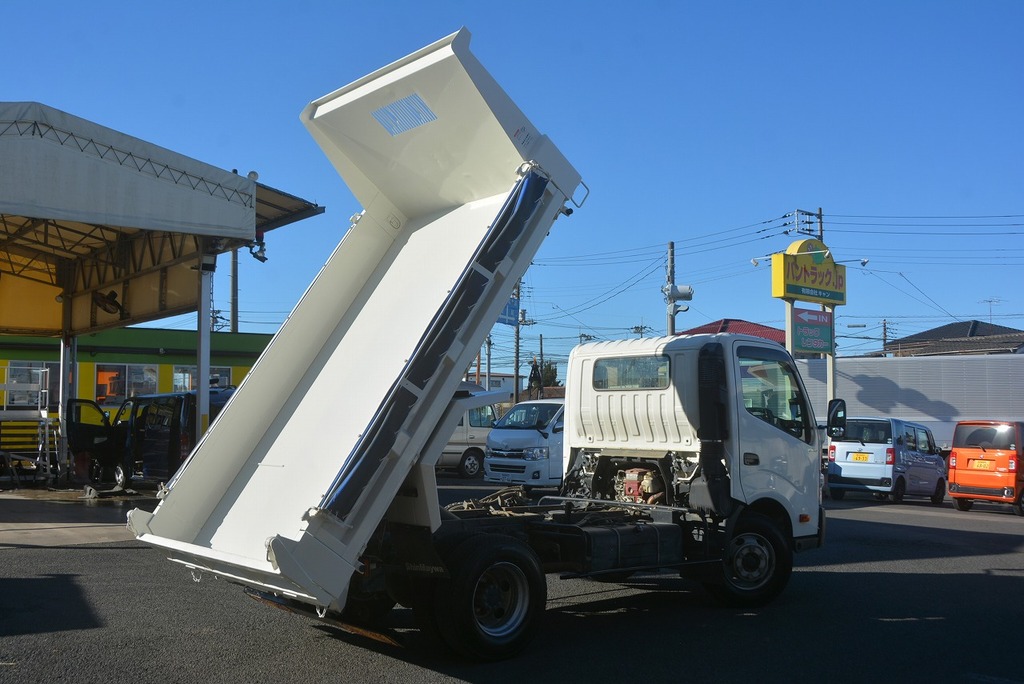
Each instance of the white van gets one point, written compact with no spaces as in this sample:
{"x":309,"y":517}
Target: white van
{"x":887,"y":457}
{"x":525,"y":445}
{"x":464,"y":452}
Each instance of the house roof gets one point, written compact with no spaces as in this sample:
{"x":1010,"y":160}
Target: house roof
{"x":958,"y":330}
{"x":962,"y":337}
{"x":735,"y":325}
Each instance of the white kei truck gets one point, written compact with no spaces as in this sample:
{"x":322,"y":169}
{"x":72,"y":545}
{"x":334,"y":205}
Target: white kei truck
{"x":332,"y":509}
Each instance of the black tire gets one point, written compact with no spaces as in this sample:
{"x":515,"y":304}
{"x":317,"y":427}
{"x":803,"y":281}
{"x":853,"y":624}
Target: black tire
{"x":836,"y":494}
{"x":899,"y":490}
{"x":489,"y":608}
{"x":122,"y":478}
{"x":1018,"y":505}
{"x":940,"y":492}
{"x":962,"y":504}
{"x":472,"y":464}
{"x":757,"y":564}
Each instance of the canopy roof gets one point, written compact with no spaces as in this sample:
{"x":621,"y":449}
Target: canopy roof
{"x":99,"y":229}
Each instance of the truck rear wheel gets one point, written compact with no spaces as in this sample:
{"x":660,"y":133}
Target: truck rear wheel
{"x":757,"y":563}
{"x":1018,"y":505}
{"x":489,"y":608}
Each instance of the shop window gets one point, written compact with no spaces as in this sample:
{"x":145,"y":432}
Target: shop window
{"x":115,"y":382}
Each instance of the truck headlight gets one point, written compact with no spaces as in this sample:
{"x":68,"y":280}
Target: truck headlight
{"x":535,"y":453}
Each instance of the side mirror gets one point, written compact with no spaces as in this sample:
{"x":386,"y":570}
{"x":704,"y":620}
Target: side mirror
{"x":836,"y":418}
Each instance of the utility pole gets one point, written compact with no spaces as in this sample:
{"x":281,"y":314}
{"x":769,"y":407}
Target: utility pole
{"x":673,"y":293}
{"x":515,"y":369}
{"x":234,"y":290}
{"x":540,"y":391}
{"x":487,"y":376}
{"x":670,"y":280}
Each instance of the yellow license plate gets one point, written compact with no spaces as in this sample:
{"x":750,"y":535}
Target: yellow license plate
{"x":859,"y":457}
{"x":981,"y":465}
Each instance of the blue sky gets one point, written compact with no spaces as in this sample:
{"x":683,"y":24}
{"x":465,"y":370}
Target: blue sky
{"x":701,"y":123}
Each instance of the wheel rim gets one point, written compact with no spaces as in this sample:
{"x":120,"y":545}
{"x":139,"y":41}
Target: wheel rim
{"x":501,"y":600}
{"x":470,"y":465}
{"x":751,"y":561}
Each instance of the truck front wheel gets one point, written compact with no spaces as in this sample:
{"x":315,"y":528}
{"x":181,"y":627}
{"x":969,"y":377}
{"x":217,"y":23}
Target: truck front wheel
{"x":756,"y":565}
{"x":489,"y":608}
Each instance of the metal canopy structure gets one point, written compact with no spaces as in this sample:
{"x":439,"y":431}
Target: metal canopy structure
{"x":99,"y":229}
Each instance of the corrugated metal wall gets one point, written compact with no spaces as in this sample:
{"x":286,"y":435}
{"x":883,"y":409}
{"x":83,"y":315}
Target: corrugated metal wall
{"x":934,"y":390}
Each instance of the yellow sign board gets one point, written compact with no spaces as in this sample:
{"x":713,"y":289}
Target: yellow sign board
{"x":807,"y":272}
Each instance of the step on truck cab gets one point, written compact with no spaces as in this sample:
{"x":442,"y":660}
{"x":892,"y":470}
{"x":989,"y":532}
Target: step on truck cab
{"x":336,"y":514}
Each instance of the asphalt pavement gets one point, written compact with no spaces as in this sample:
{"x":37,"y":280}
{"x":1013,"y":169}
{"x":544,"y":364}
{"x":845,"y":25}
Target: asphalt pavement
{"x":47,"y":517}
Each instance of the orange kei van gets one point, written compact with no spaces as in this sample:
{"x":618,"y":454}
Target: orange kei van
{"x":985,"y":463}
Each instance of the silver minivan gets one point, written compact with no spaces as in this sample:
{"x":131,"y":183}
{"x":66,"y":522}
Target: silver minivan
{"x":464,"y":452}
{"x":888,"y":457}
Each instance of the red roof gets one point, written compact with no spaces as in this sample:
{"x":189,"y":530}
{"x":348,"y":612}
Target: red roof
{"x":734,"y":325}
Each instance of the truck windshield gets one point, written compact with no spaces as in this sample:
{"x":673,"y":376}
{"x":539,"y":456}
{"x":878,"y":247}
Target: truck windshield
{"x":528,"y":416}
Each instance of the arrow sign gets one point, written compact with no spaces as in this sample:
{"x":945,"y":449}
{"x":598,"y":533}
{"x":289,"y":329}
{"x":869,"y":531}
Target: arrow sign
{"x":817,"y":317}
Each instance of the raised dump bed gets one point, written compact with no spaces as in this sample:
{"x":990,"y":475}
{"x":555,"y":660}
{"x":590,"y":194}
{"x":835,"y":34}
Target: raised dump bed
{"x":340,"y":421}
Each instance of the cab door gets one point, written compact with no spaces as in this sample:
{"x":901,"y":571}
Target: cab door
{"x":776,"y":452}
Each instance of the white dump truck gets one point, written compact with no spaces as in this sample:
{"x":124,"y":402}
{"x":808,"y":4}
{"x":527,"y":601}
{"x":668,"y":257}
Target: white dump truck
{"x":332,"y":508}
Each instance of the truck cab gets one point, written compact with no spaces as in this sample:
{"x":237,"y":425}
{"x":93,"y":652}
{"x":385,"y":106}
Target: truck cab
{"x":717,"y":423}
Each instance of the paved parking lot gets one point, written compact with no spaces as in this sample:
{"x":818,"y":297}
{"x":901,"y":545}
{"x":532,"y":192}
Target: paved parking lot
{"x":83,"y":602}
{"x":46,"y":517}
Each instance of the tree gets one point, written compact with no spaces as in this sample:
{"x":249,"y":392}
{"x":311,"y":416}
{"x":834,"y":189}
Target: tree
{"x":549,"y":374}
